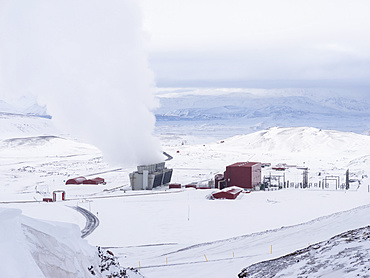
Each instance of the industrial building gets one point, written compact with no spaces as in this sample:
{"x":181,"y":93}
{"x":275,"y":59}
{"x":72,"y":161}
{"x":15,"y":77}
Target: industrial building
{"x":230,"y":193}
{"x":150,"y":176}
{"x":246,"y":175}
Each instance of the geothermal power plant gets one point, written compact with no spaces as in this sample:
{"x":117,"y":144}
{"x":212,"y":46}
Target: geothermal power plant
{"x":150,"y":176}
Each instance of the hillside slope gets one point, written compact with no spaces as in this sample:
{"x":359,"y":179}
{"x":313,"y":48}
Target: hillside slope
{"x":344,"y":255}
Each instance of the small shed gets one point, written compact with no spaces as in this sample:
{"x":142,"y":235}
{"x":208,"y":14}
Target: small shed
{"x":175,"y":185}
{"x":230,"y":193}
{"x":59,"y":195}
{"x":94,"y":181}
{"x":78,"y":180}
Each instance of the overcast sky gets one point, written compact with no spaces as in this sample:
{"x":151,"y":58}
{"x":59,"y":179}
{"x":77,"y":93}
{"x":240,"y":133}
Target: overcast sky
{"x":255,"y":42}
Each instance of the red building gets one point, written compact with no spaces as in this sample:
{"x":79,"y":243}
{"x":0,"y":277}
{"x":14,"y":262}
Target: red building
{"x":228,"y":193}
{"x":78,"y":180}
{"x":174,"y":185}
{"x":94,"y":181}
{"x":59,"y":195}
{"x":246,"y":175}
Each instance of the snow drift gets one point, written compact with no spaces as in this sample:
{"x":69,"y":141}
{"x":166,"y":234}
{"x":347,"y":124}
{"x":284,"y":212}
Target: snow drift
{"x":42,"y":249}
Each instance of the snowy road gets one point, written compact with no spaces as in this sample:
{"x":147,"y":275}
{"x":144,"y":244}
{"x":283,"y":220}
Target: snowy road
{"x":92,"y":222}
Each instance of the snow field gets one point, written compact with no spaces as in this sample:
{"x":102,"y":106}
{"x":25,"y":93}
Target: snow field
{"x":183,"y":226}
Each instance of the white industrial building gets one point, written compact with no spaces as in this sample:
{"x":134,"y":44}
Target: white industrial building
{"x":150,"y":176}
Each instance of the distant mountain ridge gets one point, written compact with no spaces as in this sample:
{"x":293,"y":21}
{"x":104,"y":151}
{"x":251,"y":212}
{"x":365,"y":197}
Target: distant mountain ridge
{"x":252,"y":109}
{"x":14,"y":125}
{"x":284,"y":109}
{"x":24,"y":106}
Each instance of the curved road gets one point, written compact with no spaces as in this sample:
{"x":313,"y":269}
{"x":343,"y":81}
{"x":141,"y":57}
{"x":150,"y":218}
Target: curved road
{"x":169,"y":157}
{"x":92,"y":222}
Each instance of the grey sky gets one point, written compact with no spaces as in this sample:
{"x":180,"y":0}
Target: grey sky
{"x":244,"y":40}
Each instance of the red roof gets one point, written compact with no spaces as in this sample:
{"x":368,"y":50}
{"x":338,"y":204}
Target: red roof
{"x":78,"y":180}
{"x":94,"y":181}
{"x":174,"y":185}
{"x":243,"y":164}
{"x":228,"y":193}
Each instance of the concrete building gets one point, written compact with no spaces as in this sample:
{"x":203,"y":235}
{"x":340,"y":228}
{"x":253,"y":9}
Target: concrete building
{"x":150,"y":176}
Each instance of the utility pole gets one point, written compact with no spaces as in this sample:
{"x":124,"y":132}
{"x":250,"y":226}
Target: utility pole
{"x":305,"y":179}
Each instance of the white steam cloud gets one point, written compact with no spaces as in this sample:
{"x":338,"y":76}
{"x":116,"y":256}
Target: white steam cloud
{"x":84,"y":59}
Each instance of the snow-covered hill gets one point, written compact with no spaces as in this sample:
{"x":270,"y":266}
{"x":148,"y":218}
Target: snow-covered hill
{"x":19,"y":125}
{"x":345,"y":255}
{"x":323,"y":152}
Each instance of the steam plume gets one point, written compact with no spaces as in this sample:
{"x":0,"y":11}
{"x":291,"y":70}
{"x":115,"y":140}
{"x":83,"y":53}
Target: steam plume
{"x":84,"y":59}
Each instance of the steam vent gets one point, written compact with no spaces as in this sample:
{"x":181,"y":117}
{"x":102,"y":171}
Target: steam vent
{"x":150,"y":176}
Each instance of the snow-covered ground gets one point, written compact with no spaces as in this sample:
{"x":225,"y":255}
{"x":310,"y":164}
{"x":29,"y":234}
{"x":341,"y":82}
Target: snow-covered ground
{"x":30,"y":248}
{"x":345,"y":255}
{"x":177,"y":233}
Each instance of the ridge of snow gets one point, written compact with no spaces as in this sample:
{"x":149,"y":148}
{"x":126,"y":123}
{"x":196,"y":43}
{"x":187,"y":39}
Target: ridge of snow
{"x":42,"y":249}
